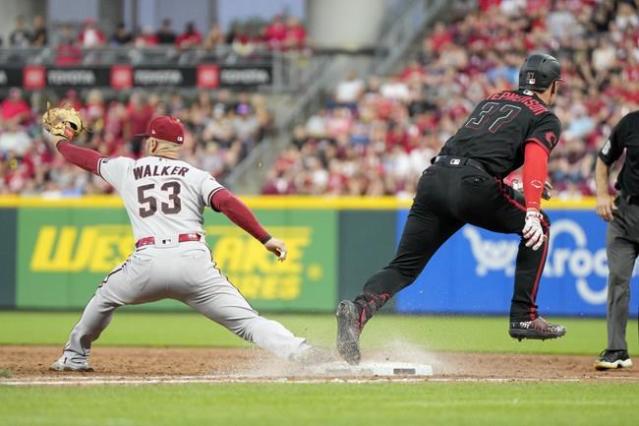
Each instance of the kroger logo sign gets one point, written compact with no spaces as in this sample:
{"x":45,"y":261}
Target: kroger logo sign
{"x":579,"y":262}
{"x":475,"y":271}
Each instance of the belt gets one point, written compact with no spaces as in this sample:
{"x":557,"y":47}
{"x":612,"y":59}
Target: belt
{"x":631,"y":199}
{"x":459,"y":161}
{"x":182,"y":238}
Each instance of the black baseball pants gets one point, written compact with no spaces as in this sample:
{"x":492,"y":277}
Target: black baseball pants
{"x":449,"y":196}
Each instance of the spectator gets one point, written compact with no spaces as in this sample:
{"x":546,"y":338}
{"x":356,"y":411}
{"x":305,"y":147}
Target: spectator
{"x":242,"y":43}
{"x":561,"y":22}
{"x":214,"y":38}
{"x":139,"y":113}
{"x":90,"y":36}
{"x":604,"y":56}
{"x":20,"y":36}
{"x":40,"y":37}
{"x":275,"y":33}
{"x":189,"y":38}
{"x":165,"y":34}
{"x":627,"y":16}
{"x":14,"y":139}
{"x":121,"y":36}
{"x":295,"y":34}
{"x":146,"y":38}
{"x":14,"y":109}
{"x":67,"y":51}
{"x":348,"y":91}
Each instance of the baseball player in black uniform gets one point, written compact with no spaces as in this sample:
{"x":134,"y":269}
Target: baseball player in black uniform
{"x":464,"y":185}
{"x":622,"y":244}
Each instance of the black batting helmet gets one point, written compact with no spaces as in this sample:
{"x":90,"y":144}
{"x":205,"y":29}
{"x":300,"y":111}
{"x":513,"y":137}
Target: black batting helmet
{"x":539,"y":71}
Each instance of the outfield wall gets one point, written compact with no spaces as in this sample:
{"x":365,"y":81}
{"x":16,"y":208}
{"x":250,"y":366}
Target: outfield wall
{"x":55,"y":252}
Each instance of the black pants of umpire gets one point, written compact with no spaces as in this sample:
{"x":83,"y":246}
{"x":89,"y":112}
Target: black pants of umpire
{"x":449,"y":196}
{"x":622,"y":248}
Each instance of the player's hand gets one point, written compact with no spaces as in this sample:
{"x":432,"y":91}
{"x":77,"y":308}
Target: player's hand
{"x":605,"y":207}
{"x":533,"y":232}
{"x":277,"y":247}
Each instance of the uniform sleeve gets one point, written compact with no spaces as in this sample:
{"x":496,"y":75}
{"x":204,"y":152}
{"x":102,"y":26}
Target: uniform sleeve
{"x":114,"y":170}
{"x":545,"y":132}
{"x":613,"y":148}
{"x":209,"y":187}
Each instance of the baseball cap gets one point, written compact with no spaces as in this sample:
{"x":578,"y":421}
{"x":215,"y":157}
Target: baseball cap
{"x":166,"y":128}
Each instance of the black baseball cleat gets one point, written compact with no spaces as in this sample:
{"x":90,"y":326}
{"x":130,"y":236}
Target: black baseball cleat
{"x":611,"y":359}
{"x":538,"y":329}
{"x":348,"y":331}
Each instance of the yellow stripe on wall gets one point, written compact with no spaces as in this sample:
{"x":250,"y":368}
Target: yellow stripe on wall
{"x":267,"y":202}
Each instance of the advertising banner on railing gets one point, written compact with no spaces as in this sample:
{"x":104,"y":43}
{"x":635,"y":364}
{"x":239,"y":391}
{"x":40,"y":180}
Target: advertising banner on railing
{"x":64,"y":253}
{"x":124,"y":76}
{"x":474,"y":271}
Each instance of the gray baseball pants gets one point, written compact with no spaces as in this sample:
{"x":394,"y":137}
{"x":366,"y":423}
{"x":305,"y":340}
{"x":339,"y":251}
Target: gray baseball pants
{"x":622,"y":248}
{"x":186,"y":273}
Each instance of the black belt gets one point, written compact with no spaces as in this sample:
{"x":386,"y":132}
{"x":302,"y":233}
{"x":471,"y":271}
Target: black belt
{"x":631,"y":199}
{"x":459,"y":161}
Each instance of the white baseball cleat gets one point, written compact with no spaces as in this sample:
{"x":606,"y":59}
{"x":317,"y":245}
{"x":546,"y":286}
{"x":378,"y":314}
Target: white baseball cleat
{"x":64,"y":363}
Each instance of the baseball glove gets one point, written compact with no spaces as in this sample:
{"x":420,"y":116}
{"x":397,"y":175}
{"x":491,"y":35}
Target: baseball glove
{"x":62,"y":121}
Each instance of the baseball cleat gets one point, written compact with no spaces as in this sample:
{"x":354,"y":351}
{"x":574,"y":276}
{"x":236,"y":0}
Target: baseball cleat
{"x":610,"y":360}
{"x":348,"y":331}
{"x":65,"y":364}
{"x":538,"y":329}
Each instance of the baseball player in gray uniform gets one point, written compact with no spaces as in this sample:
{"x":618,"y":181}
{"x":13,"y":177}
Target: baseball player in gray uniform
{"x":165,"y":198}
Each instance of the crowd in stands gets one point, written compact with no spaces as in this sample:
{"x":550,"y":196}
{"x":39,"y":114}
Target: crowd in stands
{"x":376,"y":135}
{"x":220,"y":129}
{"x":282,"y":33}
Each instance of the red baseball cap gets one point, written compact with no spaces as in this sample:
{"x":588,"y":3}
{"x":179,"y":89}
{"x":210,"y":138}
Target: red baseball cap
{"x":166,"y":128}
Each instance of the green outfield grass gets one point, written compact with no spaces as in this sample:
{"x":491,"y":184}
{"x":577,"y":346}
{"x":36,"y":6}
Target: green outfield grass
{"x":471,"y":334}
{"x":448,"y":404}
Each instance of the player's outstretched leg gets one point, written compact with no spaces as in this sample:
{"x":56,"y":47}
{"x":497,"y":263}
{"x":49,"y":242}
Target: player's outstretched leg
{"x":220,"y":301}
{"x":424,"y":232}
{"x":95,"y":318}
{"x":126,"y":284}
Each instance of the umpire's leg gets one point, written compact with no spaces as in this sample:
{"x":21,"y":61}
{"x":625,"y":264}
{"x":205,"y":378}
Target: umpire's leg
{"x":622,"y":254}
{"x":424,"y":232}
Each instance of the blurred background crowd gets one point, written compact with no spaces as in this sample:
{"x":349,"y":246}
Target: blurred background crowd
{"x":281,"y":33}
{"x":221,"y":128}
{"x":373,"y":135}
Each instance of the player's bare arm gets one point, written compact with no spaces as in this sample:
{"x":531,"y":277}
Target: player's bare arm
{"x":605,"y":202}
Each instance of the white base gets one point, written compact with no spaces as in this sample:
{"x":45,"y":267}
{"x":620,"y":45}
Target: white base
{"x":387,"y":368}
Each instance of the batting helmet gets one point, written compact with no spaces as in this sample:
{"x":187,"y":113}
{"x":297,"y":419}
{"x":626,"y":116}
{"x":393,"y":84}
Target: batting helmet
{"x":539,"y":71}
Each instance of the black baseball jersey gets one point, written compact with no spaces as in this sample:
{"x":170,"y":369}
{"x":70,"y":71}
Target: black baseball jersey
{"x":625,"y":136}
{"x":500,"y":126}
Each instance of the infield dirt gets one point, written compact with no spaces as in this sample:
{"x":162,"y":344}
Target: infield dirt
{"x":33,"y":362}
